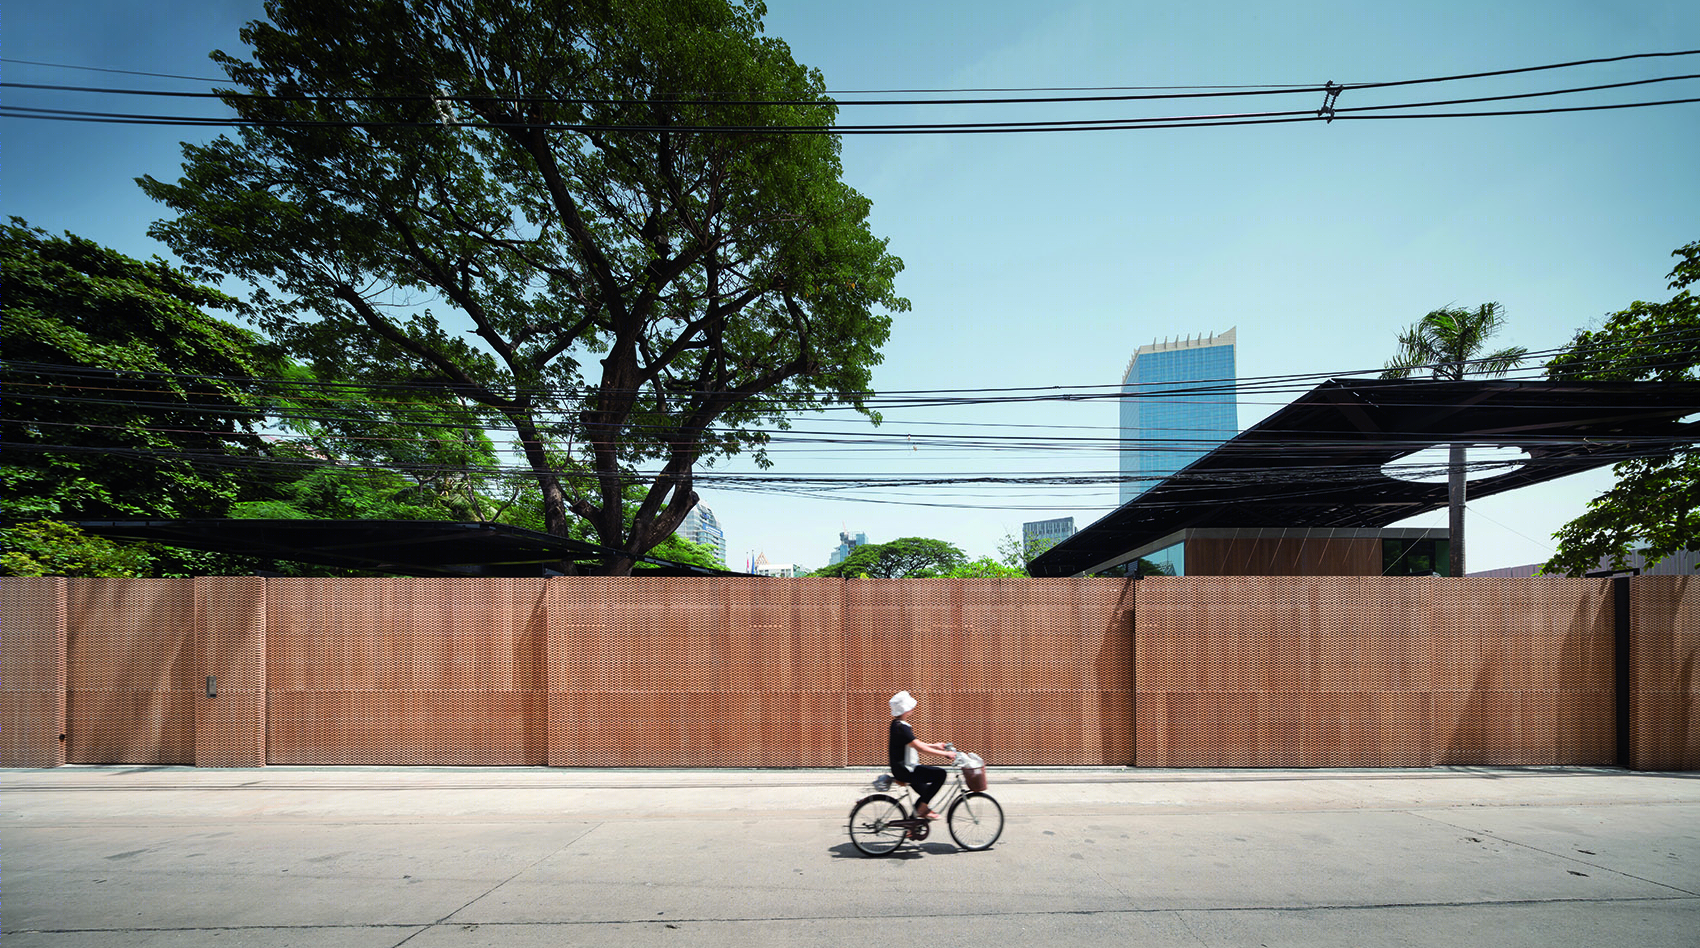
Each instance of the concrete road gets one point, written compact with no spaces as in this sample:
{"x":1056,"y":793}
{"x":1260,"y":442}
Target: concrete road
{"x":123,"y":857}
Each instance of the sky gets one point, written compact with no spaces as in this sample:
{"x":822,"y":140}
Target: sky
{"x":1043,"y":261}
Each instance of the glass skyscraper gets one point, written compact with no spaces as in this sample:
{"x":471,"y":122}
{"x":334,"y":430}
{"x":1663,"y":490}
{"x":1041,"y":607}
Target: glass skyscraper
{"x":701,"y":526}
{"x":1179,"y":403}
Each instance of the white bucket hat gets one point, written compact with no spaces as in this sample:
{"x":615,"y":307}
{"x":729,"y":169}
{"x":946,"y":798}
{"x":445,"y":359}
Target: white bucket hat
{"x":902,"y":703}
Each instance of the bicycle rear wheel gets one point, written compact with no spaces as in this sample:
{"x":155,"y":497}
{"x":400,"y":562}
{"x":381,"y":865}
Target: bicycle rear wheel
{"x":871,"y":825}
{"x":976,"y":821}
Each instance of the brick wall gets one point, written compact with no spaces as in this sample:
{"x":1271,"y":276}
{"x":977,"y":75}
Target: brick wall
{"x":1221,"y":671}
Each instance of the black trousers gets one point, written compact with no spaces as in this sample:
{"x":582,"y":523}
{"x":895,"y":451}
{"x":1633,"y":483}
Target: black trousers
{"x":926,"y":781}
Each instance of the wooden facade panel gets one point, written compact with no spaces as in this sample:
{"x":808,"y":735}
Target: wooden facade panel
{"x":1270,"y":556}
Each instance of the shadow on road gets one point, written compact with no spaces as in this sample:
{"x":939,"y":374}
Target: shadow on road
{"x":910,"y":851}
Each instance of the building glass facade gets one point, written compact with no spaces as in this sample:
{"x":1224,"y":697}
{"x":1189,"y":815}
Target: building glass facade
{"x":847,"y":541}
{"x":701,"y":526}
{"x":1180,"y":404}
{"x":1037,"y":536}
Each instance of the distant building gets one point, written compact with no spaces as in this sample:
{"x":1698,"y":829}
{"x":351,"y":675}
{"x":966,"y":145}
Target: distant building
{"x":761,"y":567}
{"x":1179,"y":403}
{"x":1037,"y":536}
{"x":846,"y":542}
{"x":700,"y":526}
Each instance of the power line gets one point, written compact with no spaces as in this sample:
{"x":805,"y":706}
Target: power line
{"x":1105,"y":93}
{"x":1326,"y":114}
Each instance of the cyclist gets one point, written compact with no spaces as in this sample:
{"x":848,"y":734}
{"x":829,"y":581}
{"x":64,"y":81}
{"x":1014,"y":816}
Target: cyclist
{"x":904,"y":750}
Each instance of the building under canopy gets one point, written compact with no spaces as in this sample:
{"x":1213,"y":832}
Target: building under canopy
{"x":1307,"y":490}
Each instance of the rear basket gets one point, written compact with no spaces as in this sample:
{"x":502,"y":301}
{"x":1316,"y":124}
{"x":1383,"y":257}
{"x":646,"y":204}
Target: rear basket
{"x":975,"y":777}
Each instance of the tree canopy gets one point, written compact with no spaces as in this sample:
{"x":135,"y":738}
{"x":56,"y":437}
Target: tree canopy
{"x":904,"y":557}
{"x":122,"y":398}
{"x":592,"y":222}
{"x":1654,"y":506}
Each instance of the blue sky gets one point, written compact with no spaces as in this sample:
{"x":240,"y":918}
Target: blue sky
{"x":1045,"y":260}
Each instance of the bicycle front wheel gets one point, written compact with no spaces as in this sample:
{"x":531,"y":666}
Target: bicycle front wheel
{"x":976,"y":821}
{"x":872,"y":828}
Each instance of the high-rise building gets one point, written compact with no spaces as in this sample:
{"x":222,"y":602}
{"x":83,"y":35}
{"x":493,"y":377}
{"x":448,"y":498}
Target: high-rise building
{"x":700,"y":526}
{"x":847,"y":541}
{"x":1179,"y":403}
{"x":1037,"y":536}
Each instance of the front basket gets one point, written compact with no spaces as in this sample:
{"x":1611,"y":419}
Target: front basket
{"x":975,"y":777}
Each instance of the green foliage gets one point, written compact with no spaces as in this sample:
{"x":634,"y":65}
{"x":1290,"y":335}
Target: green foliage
{"x":908,"y":556}
{"x":51,"y":548}
{"x":1655,"y":505}
{"x":642,"y":295}
{"x":333,"y":493}
{"x":680,"y":550}
{"x":122,"y":399}
{"x":1448,"y":343}
{"x":985,"y":568}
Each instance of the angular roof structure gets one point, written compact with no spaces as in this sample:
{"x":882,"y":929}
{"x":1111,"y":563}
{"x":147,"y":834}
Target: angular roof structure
{"x":1318,"y":462}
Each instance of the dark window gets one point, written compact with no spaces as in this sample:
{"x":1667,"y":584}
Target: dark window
{"x":1415,"y":557}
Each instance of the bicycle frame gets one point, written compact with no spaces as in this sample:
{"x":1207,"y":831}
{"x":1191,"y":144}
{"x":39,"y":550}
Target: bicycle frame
{"x":941,"y":801}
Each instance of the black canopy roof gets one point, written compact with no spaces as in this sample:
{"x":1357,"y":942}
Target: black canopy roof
{"x":1318,"y":462}
{"x":405,"y":547}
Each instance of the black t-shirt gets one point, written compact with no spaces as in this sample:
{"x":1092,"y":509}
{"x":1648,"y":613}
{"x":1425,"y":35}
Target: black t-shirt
{"x":897,"y":747}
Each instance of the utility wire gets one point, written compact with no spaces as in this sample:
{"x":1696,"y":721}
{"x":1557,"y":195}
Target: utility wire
{"x":1136,"y":93}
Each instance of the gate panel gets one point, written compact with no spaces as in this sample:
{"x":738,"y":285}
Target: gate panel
{"x":1021,"y":671}
{"x":406,"y":671}
{"x":1373,"y":671}
{"x":130,"y":671}
{"x":1664,"y":676}
{"x":32,"y":671}
{"x":230,"y":637}
{"x":1523,"y":671}
{"x":695,"y":672}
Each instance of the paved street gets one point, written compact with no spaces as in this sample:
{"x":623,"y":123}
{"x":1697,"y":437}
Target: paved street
{"x":122,"y":857}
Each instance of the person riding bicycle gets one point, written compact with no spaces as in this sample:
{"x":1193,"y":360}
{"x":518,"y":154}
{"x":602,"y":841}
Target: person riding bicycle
{"x":904,"y":749}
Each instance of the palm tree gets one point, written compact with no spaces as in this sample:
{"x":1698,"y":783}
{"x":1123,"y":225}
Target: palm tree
{"x":1446,"y":342}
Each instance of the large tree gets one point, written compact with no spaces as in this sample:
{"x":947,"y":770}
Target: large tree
{"x":1654,"y":506}
{"x":903,"y":557}
{"x":612,"y":225}
{"x":122,"y":398}
{"x":1448,"y":344}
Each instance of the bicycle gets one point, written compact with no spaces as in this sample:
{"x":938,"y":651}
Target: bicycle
{"x":881,"y":823}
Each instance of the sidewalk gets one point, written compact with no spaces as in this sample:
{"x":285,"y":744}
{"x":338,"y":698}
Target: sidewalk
{"x":147,"y":856}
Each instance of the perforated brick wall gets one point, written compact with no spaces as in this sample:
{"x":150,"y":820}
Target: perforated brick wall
{"x":696,"y":672}
{"x":1024,"y":672}
{"x":131,"y":670}
{"x":1231,"y":671}
{"x":1665,"y":651}
{"x":1373,"y":671}
{"x":32,"y":672}
{"x":406,"y":671}
{"x":230,"y":648}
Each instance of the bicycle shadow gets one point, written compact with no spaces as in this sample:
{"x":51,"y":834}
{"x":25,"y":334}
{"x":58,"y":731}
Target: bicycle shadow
{"x":909,"y":851}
